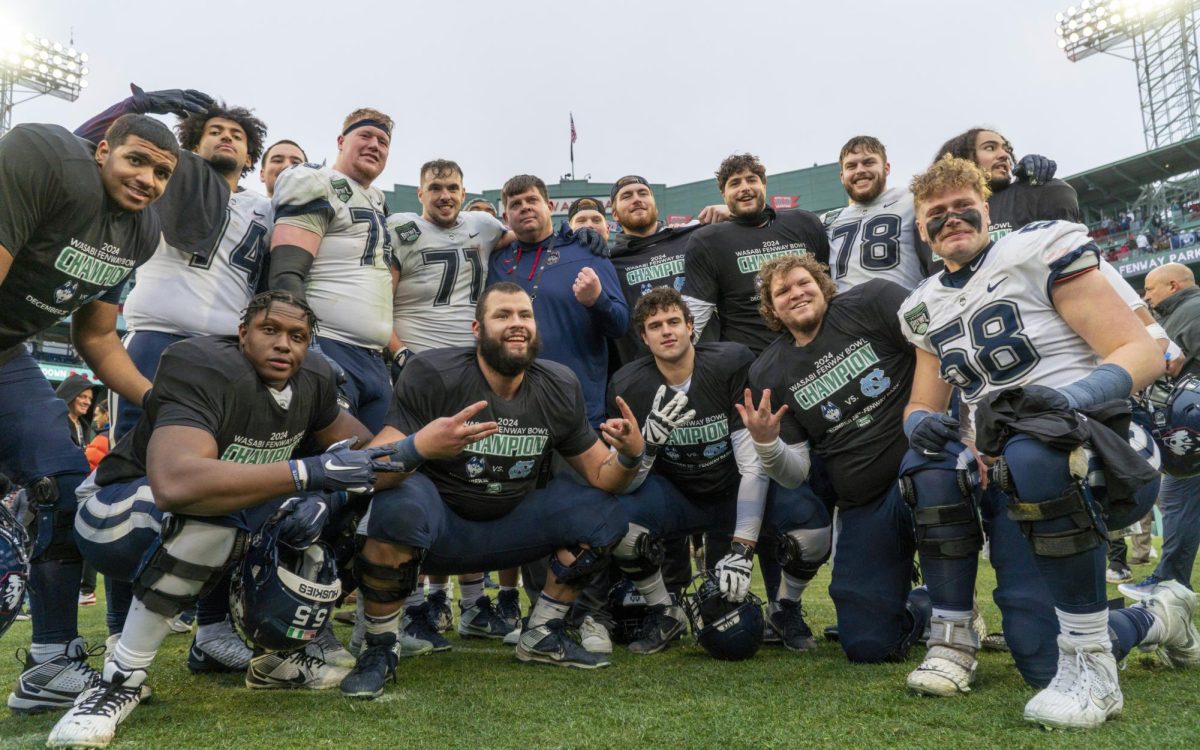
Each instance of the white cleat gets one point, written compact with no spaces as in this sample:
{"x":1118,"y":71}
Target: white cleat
{"x":93,"y":720}
{"x":949,"y":666}
{"x":56,"y":683}
{"x":593,"y":636}
{"x":1175,"y":606}
{"x":293,"y":669}
{"x":1084,"y":692}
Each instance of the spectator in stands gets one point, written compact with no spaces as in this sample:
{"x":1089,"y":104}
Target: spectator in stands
{"x":98,"y":448}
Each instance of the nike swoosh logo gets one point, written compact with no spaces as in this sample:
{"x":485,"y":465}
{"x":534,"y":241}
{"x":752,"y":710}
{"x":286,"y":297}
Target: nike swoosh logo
{"x":472,"y":236}
{"x":992,"y":287}
{"x":885,"y":205}
{"x":331,"y":466}
{"x":259,"y":213}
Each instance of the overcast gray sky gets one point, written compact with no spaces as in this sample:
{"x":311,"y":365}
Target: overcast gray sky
{"x":664,"y":89}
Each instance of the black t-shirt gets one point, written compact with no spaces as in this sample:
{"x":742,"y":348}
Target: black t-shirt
{"x":698,"y":458}
{"x":206,"y":382}
{"x":70,"y":244}
{"x":1021,"y":203}
{"x":847,"y":389}
{"x":723,"y":262}
{"x":643,"y":263}
{"x":491,"y":476}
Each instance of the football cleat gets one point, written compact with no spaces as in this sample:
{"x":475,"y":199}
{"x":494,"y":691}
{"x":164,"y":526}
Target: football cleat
{"x":182,"y":622}
{"x":480,"y":620}
{"x":375,"y":665}
{"x":1140,"y":590}
{"x":662,"y":625}
{"x":949,"y":665}
{"x":1175,"y":606}
{"x":514,"y":635}
{"x":549,"y":643}
{"x":93,"y":720}
{"x":55,"y":683}
{"x":87,"y":600}
{"x":1084,"y":692}
{"x":328,"y":648}
{"x":110,"y":647}
{"x":508,"y":607}
{"x":418,"y":622}
{"x":594,"y":637}
{"x":443,"y":614}
{"x":222,"y":650}
{"x":1118,"y":575}
{"x":292,"y":669}
{"x":788,"y":621}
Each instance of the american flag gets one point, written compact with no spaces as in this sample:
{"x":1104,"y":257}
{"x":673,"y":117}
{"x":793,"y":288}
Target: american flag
{"x":574,"y":136}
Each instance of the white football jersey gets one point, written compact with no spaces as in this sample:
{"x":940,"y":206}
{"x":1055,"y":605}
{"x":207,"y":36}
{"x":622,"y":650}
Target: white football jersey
{"x":876,"y":240}
{"x":993,"y":325}
{"x":350,"y":284}
{"x":176,"y":292}
{"x":442,"y":272}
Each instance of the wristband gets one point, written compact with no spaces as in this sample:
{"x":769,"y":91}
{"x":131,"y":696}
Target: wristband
{"x":407,"y":455}
{"x":913,"y":420}
{"x":630,"y":462}
{"x":297,"y":468}
{"x":1157,"y":332}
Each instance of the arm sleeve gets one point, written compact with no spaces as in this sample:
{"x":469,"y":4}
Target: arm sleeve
{"x":1124,"y":290}
{"x":94,"y":129}
{"x":610,"y":310}
{"x":752,"y":490}
{"x":302,"y":199}
{"x":787,"y":464}
{"x":30,"y":185}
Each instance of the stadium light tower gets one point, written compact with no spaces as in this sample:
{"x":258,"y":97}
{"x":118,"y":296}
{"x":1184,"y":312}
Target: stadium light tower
{"x":34,"y":66}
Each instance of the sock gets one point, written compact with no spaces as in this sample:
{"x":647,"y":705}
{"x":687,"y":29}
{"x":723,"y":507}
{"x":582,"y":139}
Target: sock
{"x":128,"y":659}
{"x":546,"y":609}
{"x":791,"y":587}
{"x":143,"y":633}
{"x":44,"y":652}
{"x":1088,"y":627}
{"x":382,"y":624}
{"x":507,"y":588}
{"x":415,"y":599}
{"x":1132,"y":626}
{"x":654,"y":590}
{"x":469,"y":591}
{"x":952,"y":615}
{"x":436,"y":587}
{"x":211,"y":631}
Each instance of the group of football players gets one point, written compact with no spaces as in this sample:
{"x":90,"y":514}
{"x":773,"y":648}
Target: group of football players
{"x":316,"y":397}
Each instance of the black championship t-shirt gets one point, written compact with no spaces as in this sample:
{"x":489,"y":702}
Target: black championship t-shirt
{"x":698,"y":458}
{"x":491,"y":476}
{"x":723,"y":261}
{"x":846,"y":390}
{"x":70,"y":244}
{"x":1021,"y":203}
{"x":642,"y":264}
{"x":207,"y":383}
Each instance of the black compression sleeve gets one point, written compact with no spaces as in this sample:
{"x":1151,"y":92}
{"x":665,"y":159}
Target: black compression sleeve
{"x":289,"y":269}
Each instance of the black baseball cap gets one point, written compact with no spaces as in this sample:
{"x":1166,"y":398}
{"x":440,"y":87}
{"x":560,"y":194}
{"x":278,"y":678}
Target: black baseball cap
{"x":584,"y":204}
{"x":629,"y":179}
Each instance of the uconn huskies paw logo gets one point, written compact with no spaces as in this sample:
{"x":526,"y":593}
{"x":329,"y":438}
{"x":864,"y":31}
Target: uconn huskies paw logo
{"x":521,"y":469}
{"x":475,"y":466}
{"x":716,"y":449}
{"x":830,"y":411}
{"x":874,"y":383}
{"x":12,"y":592}
{"x":1180,"y":442}
{"x":679,"y":284}
{"x":646,"y":288}
{"x":66,"y":292}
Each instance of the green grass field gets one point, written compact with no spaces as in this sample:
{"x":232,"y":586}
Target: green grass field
{"x":479,"y":696}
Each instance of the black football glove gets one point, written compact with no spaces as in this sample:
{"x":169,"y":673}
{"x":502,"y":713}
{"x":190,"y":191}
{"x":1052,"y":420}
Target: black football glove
{"x":341,"y":468}
{"x":306,"y":517}
{"x":929,"y":436}
{"x":181,"y":102}
{"x":1035,"y":169}
{"x":591,"y":240}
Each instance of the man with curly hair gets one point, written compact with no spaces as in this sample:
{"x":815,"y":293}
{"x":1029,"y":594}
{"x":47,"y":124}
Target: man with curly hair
{"x":191,"y":289}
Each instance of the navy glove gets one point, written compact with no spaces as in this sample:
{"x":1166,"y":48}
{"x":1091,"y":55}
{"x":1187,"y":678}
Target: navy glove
{"x":928,"y":434}
{"x":170,"y":101}
{"x":305,"y":518}
{"x":591,"y":240}
{"x":1035,"y":169}
{"x":341,"y":468}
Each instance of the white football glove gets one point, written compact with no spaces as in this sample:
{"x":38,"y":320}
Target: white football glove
{"x":662,"y":420}
{"x":733,"y":573}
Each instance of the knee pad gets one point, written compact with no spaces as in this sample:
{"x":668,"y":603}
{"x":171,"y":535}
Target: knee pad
{"x":55,"y":538}
{"x":197,"y":576}
{"x":1084,"y":535}
{"x":588,"y":562}
{"x":383,"y":584}
{"x":956,"y":525}
{"x":638,"y":554}
{"x":802,"y":552}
